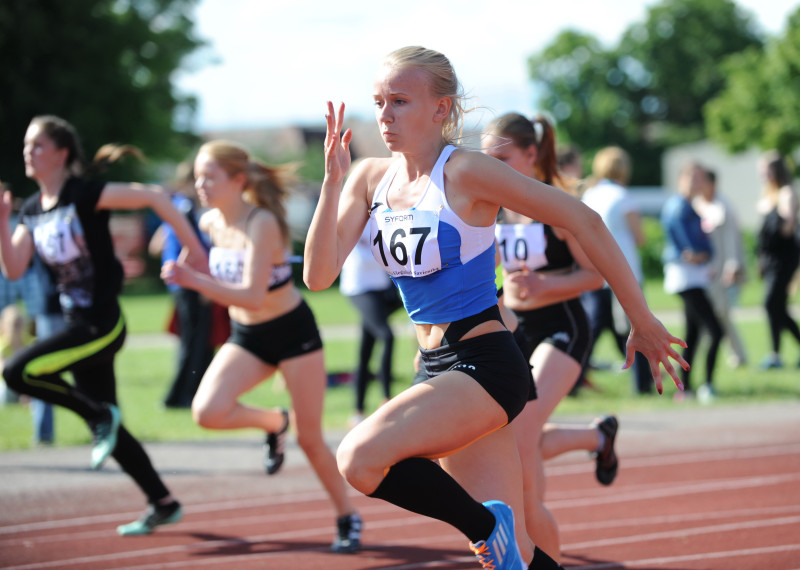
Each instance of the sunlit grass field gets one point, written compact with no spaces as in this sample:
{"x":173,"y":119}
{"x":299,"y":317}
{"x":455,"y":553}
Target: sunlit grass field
{"x":144,"y":371}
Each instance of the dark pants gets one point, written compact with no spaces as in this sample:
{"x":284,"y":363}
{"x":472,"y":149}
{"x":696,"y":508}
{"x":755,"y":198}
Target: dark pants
{"x":195,"y":352}
{"x":777,"y":277}
{"x":47,"y":324}
{"x":87,"y":350}
{"x":598,"y":305}
{"x":375,"y":308}
{"x":700,"y":315}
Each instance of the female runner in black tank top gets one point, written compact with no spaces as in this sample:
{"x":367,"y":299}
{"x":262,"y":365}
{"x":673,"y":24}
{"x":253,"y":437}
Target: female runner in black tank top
{"x":67,"y":223}
{"x":545,"y":270}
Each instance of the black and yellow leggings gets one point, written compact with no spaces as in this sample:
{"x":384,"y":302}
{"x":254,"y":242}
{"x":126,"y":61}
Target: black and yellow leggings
{"x":87,"y":350}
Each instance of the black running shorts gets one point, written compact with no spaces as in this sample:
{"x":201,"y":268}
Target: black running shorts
{"x":563,"y":325}
{"x":285,"y":337}
{"x":493,"y":360}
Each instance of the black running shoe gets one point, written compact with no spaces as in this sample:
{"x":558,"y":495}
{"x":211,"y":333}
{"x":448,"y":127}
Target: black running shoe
{"x":348,"y":535}
{"x":155,"y":515}
{"x":274,"y":446}
{"x":607,"y":462}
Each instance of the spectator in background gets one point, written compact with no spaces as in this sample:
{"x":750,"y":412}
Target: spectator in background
{"x":570,"y":162}
{"x":778,"y":250}
{"x":728,"y":266}
{"x":607,"y":195}
{"x":365,"y":283}
{"x":686,"y":256}
{"x":192,"y":316}
{"x":14,"y":335}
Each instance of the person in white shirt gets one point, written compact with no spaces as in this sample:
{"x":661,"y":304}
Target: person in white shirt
{"x":608,"y":196}
{"x":367,"y":286}
{"x":727,"y":265}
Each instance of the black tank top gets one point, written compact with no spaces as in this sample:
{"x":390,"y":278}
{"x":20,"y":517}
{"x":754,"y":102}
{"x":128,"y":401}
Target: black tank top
{"x":557,"y":252}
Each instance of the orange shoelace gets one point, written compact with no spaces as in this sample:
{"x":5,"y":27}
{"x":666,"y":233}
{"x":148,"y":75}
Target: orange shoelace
{"x":484,"y":556}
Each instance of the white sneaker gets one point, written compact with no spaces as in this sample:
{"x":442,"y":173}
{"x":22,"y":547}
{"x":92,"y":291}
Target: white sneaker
{"x":354,"y":420}
{"x":705,"y":394}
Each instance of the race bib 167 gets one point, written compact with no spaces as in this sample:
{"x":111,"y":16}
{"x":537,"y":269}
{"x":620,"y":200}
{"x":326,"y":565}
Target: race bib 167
{"x":406,"y":243}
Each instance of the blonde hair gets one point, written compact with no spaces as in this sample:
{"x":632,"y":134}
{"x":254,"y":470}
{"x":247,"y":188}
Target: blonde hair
{"x":443,"y":83}
{"x":265,"y":186}
{"x":612,"y":163}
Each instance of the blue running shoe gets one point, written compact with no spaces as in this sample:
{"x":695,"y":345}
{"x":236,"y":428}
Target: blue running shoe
{"x":771,"y":362}
{"x":155,"y":515}
{"x":500,"y":550}
{"x":104,"y":434}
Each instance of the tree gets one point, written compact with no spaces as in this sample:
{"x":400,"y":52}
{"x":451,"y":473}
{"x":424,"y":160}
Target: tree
{"x":648,"y":92}
{"x":759,"y":105}
{"x":573,"y":75}
{"x":104,"y":65}
{"x":680,"y":45}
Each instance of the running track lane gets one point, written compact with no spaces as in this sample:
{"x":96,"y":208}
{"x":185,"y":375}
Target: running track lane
{"x":733,"y":508}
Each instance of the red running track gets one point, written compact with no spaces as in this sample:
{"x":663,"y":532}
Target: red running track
{"x":726,"y":497}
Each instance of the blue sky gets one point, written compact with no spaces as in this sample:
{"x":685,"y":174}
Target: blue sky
{"x":277,"y":63}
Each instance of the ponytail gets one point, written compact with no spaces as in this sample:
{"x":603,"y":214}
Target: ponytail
{"x":110,"y":153}
{"x":267,"y":187}
{"x":524,"y":132}
{"x":546,"y":167}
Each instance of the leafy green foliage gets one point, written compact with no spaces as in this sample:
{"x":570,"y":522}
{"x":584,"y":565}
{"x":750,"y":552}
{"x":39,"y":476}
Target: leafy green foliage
{"x":648,"y":91}
{"x":650,"y":252}
{"x":678,"y":49}
{"x":104,"y":65}
{"x":581,"y":92}
{"x":760,"y":105}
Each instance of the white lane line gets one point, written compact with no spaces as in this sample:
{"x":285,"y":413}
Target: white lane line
{"x":395,"y":523}
{"x":648,"y":492}
{"x":310,"y":496}
{"x":682,"y":533}
{"x":682,"y":458}
{"x":327,"y":531}
{"x":733,"y":554}
{"x":681,"y":518}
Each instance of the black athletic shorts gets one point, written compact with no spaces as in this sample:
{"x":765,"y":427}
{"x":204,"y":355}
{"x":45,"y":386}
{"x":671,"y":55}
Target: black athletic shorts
{"x":522,"y":343}
{"x":563,"y":325}
{"x":285,"y":337}
{"x":493,"y":360}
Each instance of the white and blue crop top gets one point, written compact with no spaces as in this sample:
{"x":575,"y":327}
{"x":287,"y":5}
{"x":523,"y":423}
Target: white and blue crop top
{"x":443,"y":267}
{"x":226,"y":265}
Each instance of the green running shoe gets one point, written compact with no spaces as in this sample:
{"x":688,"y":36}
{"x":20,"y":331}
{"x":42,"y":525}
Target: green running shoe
{"x":155,"y":515}
{"x":104,"y":434}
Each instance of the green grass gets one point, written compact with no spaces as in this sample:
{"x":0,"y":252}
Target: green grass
{"x":144,"y":375}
